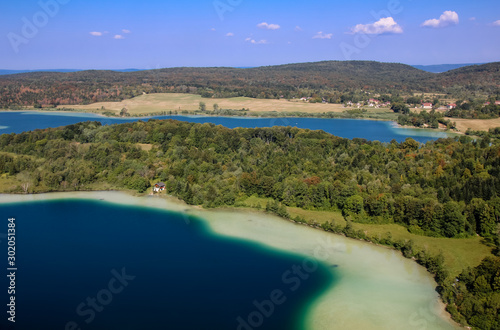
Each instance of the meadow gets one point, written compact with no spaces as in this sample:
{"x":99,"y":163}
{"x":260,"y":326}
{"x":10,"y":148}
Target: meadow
{"x":153,"y":103}
{"x":458,"y":253}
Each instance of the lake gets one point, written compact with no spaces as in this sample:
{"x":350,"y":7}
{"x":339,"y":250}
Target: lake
{"x":166,"y":273}
{"x":190,"y":268}
{"x":383,"y":131}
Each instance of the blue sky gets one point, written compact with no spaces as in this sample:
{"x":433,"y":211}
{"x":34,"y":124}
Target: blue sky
{"x":105,"y":34}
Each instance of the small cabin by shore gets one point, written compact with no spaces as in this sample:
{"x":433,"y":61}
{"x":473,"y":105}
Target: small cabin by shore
{"x":160,"y":186}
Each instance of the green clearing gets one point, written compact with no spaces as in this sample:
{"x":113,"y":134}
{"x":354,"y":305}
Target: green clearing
{"x":459,"y":253}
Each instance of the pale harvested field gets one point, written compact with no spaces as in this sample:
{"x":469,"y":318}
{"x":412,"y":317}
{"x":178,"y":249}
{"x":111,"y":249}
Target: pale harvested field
{"x":149,"y":103}
{"x":476,"y":124}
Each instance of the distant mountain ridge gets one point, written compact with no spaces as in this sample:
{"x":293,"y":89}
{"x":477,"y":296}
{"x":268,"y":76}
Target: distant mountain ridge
{"x":7,"y":72}
{"x":434,"y":68}
{"x":330,"y":80}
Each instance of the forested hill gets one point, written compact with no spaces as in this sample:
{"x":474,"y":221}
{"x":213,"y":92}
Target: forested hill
{"x":329,"y":79}
{"x":446,"y":188}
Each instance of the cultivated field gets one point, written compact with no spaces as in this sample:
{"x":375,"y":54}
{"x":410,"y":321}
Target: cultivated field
{"x":476,"y":124}
{"x":150,"y":103}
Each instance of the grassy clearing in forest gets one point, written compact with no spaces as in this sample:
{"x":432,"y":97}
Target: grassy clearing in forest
{"x":150,"y":103}
{"x":459,"y":253}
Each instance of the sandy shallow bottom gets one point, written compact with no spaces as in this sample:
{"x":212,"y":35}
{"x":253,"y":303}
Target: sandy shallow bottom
{"x":377,"y":287}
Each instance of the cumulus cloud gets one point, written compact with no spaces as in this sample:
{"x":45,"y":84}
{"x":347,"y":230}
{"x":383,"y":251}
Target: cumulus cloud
{"x":447,"y":18}
{"x":253,"y":41}
{"x":229,"y":34}
{"x":96,"y":34}
{"x":267,"y":26}
{"x":126,"y":31}
{"x":384,"y":25}
{"x":119,"y":36}
{"x":496,"y":23}
{"x":321,"y":35}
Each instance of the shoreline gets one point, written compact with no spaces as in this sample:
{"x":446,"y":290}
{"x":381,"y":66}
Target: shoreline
{"x":277,"y":233}
{"x":437,"y":130}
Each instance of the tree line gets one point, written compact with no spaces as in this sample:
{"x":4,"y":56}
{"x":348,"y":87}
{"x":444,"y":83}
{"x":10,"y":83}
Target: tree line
{"x":330,"y":80}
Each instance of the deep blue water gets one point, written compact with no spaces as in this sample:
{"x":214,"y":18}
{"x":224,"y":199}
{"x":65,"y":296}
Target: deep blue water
{"x":185,"y":276}
{"x":383,"y":131}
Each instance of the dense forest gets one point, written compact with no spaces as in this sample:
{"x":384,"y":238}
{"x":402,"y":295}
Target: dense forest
{"x":333,"y":81}
{"x":445,"y":188}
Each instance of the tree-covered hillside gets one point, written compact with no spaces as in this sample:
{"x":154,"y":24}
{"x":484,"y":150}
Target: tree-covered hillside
{"x":329,"y":80}
{"x":446,"y":188}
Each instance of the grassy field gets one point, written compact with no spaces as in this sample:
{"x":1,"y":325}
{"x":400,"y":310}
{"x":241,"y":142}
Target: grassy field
{"x":458,"y":253}
{"x":149,"y":103}
{"x":476,"y":124}
{"x":8,"y":183}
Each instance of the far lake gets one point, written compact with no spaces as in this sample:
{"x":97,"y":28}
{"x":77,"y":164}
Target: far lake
{"x":383,"y":131}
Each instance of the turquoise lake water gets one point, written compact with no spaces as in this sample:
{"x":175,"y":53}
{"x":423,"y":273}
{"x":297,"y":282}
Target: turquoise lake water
{"x":383,"y":131}
{"x":172,"y":274}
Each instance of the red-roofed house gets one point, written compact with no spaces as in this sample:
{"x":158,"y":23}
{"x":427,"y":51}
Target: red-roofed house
{"x":426,"y":105}
{"x":160,"y":186}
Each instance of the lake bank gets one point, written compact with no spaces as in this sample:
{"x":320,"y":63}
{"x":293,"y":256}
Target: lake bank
{"x":379,"y":289}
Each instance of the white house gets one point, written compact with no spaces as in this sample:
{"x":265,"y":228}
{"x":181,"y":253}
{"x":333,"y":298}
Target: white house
{"x":160,"y":186}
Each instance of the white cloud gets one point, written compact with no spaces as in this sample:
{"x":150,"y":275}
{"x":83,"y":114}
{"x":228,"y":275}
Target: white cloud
{"x":496,"y":23}
{"x":118,"y":36}
{"x":321,"y":35}
{"x":266,"y":26}
{"x":230,"y":34}
{"x":447,"y":18}
{"x":298,"y":28}
{"x":384,"y":25}
{"x":213,"y":29}
{"x":472,"y":19}
{"x":253,"y":41}
{"x":126,"y":31}
{"x":96,"y":34}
